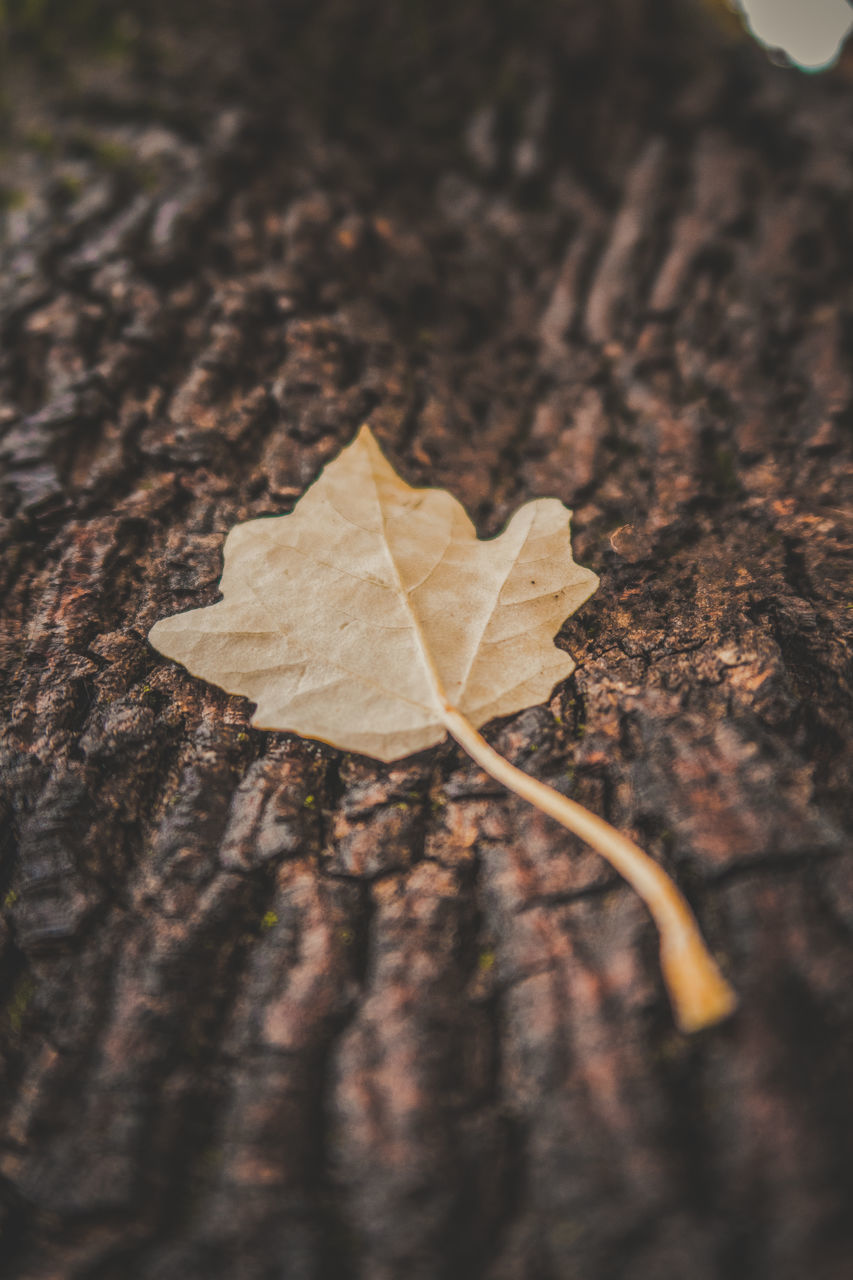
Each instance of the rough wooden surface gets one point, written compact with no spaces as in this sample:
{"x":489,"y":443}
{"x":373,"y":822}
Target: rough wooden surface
{"x":270,"y":1011}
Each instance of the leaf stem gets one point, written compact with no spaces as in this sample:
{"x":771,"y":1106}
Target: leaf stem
{"x":699,"y":993}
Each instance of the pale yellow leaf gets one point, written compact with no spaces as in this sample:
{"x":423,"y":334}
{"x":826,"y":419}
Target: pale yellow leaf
{"x":358,"y":617}
{"x":373,"y":618}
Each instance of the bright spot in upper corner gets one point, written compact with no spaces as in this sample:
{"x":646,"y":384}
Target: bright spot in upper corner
{"x":810,"y":32}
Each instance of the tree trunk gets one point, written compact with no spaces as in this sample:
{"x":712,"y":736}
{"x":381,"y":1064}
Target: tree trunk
{"x":274,"y":1011}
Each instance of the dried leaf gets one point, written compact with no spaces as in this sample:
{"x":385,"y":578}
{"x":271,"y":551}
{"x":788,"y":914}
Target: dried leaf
{"x":359,"y":616}
{"x":373,"y":618}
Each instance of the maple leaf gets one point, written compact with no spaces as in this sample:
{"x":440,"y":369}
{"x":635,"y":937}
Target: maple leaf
{"x":374,"y":619}
{"x":358,"y":617}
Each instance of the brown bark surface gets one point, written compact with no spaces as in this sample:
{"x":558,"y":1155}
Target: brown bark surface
{"x":270,"y":1011}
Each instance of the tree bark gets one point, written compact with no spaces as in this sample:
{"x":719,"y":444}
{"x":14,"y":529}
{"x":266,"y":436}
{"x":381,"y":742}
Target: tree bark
{"x":274,"y":1011}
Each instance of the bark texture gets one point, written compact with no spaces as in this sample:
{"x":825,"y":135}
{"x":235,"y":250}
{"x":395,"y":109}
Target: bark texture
{"x":270,"y":1011}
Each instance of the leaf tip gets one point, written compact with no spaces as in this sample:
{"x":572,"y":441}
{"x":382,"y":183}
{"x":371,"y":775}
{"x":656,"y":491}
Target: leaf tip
{"x":162,"y":638}
{"x":156,"y":633}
